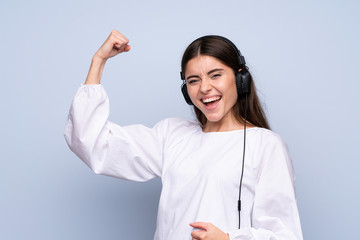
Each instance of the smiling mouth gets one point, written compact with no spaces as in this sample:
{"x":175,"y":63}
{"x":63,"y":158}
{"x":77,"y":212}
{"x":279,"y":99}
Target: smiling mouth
{"x":211,"y":100}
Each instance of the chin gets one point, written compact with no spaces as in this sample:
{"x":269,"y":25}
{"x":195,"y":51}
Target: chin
{"x":213,"y":119}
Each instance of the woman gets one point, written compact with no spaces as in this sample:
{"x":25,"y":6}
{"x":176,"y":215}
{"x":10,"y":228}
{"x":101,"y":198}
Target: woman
{"x":201,"y":163}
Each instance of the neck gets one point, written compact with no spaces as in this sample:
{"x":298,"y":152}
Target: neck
{"x":226,"y":126}
{"x":223,"y":126}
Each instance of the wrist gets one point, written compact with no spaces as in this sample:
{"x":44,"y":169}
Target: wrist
{"x":96,"y":69}
{"x":98,"y":60}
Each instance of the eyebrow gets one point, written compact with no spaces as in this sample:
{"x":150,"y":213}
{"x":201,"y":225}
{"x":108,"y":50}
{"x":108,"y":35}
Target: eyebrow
{"x":210,"y":72}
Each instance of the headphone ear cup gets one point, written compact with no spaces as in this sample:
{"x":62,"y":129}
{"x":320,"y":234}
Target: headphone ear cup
{"x":185,"y":94}
{"x":245,"y":84}
{"x":243,"y":79}
{"x":238,"y":77}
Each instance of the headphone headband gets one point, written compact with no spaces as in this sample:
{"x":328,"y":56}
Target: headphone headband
{"x":241,"y":58}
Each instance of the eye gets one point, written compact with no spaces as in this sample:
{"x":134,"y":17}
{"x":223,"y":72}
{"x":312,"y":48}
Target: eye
{"x":192,"y":81}
{"x":215,"y":76}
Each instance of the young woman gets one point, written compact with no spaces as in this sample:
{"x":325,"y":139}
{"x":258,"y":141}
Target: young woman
{"x":204,"y":165}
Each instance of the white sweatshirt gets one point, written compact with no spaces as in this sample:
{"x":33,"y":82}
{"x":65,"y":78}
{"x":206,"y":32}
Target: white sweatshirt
{"x":200,"y":171}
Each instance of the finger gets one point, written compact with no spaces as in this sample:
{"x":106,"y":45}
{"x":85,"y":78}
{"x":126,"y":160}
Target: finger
{"x":120,"y":40}
{"x":118,"y":43}
{"x":198,"y":234}
{"x":127,"y":48}
{"x":115,"y":32}
{"x":118,"y":35}
{"x":117,"y":39}
{"x":201,"y":225}
{"x":122,"y":48}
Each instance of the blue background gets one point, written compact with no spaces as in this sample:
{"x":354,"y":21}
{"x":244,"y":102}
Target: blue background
{"x":304,"y":56}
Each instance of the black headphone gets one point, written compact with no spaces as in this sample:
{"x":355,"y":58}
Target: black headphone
{"x":242,"y":78}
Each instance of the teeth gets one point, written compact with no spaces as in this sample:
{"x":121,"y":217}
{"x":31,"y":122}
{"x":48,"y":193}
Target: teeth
{"x":207,"y":100}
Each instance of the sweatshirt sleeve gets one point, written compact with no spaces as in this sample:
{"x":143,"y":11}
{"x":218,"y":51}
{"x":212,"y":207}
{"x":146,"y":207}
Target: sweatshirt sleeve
{"x":274,"y":215}
{"x":132,"y":152}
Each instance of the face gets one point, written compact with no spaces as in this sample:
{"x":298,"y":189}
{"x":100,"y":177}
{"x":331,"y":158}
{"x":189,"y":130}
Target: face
{"x":212,"y":89}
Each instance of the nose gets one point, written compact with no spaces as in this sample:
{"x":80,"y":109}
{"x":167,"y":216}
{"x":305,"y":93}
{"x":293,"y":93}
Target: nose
{"x":205,"y":86}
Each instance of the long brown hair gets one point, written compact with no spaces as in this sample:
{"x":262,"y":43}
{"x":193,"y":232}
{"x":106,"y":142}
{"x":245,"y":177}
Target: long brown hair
{"x":222,"y":49}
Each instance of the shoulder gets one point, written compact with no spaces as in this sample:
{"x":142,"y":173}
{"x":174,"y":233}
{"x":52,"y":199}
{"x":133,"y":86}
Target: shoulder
{"x":265,"y":137}
{"x":269,"y":149}
{"x":178,"y":125}
{"x":179,"y":122}
{"x":266,"y":144}
{"x":175,"y":130}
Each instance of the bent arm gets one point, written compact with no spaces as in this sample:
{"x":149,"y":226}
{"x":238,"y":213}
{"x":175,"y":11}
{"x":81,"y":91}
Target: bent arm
{"x":132,"y":152}
{"x":116,"y":43}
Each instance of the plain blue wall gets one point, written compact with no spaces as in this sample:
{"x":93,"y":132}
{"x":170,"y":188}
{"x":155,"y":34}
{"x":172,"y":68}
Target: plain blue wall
{"x":304,"y":57}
